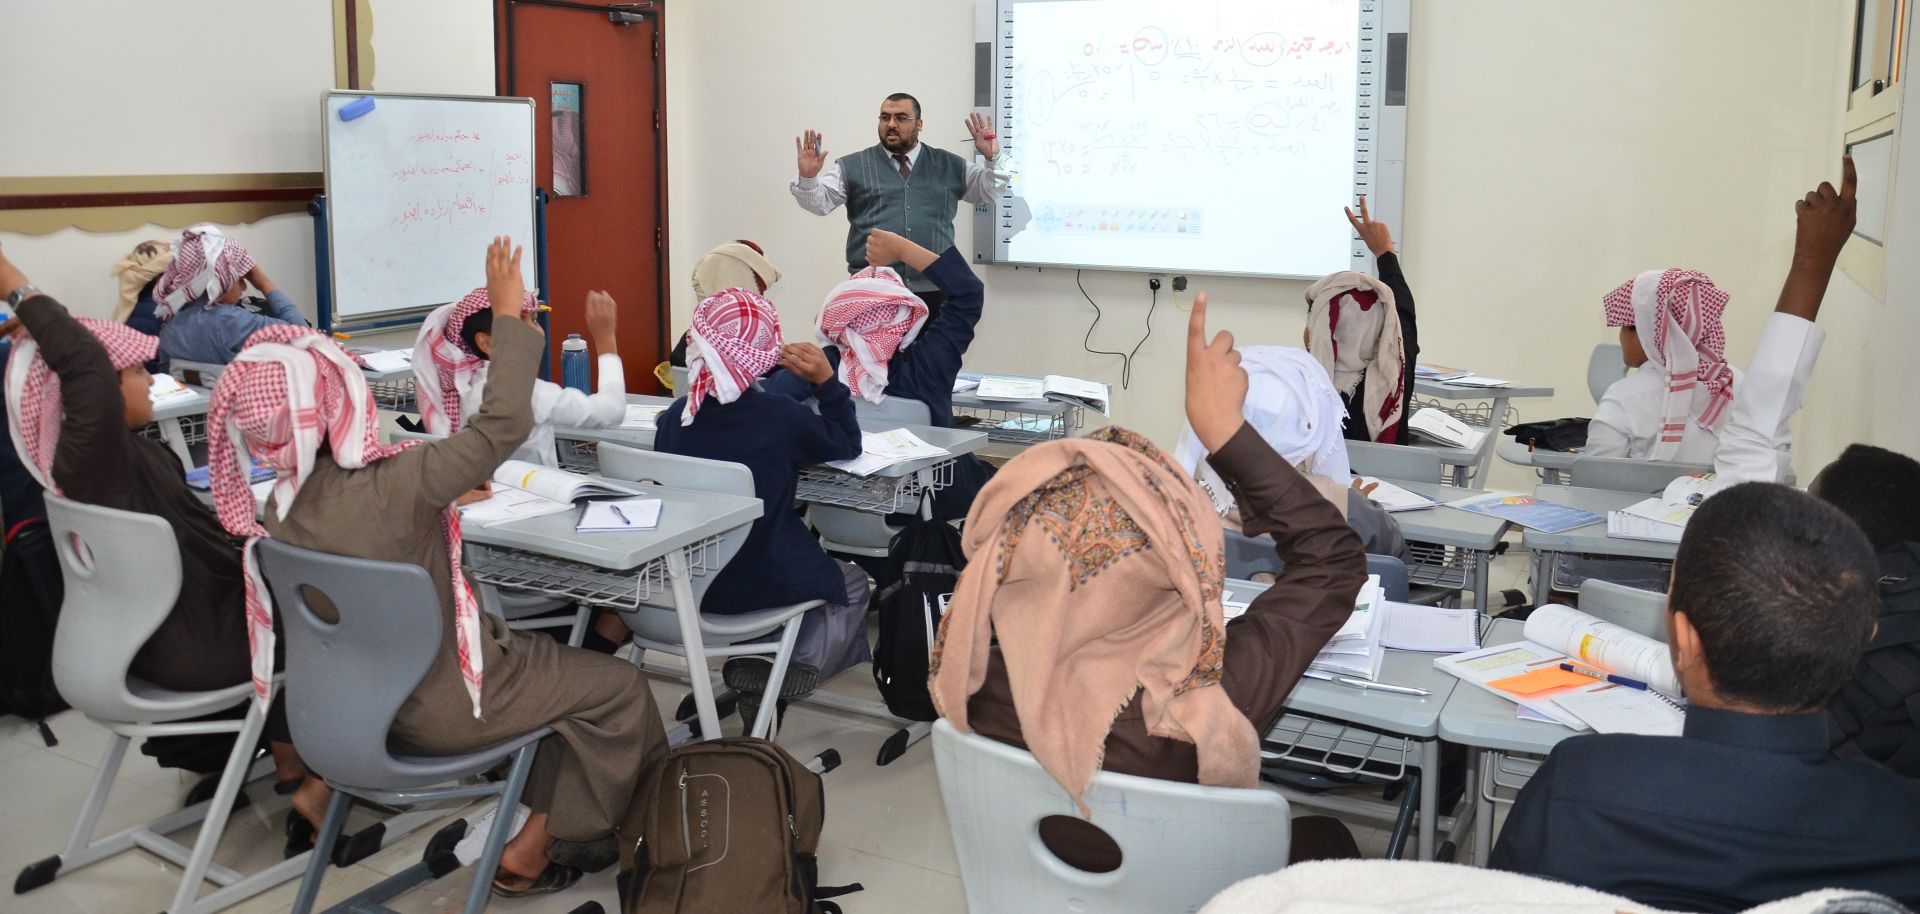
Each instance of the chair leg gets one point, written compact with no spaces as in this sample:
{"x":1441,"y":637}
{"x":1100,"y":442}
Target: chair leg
{"x":97,"y":796}
{"x":489,"y":862}
{"x":322,"y":853}
{"x":770,"y":700}
{"x":582,"y":617}
{"x":232,"y":778}
{"x":696,"y":649}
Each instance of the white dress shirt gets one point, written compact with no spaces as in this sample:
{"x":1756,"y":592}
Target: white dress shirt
{"x":1629,"y":416}
{"x":827,"y":192}
{"x":555,"y":406}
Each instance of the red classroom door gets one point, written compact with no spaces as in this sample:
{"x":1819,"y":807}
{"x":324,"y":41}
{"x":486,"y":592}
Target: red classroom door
{"x":594,"y":74}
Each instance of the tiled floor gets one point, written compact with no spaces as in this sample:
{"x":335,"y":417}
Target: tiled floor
{"x":885,"y":827}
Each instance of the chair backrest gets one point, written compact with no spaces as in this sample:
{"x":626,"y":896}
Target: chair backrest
{"x":1180,"y":844}
{"x":1394,"y":461}
{"x":395,"y":436}
{"x":679,"y":373}
{"x":1605,"y":366}
{"x":1642,"y":611}
{"x":122,"y":576}
{"x":676,"y":471}
{"x":346,"y":679}
{"x":1625,"y":474}
{"x":1393,"y":575}
{"x":894,"y":409}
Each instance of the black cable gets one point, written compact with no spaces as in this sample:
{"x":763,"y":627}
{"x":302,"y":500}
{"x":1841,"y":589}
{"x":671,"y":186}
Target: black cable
{"x":1126,"y":362}
{"x":1128,"y":368}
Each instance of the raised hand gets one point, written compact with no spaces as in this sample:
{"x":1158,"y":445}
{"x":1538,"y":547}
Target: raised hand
{"x":806,"y":361}
{"x":984,"y":139}
{"x":603,"y":320}
{"x":885,"y":248}
{"x":811,"y":150}
{"x":1378,"y":237}
{"x":1826,"y":219}
{"x":11,"y":277}
{"x":257,"y":278}
{"x":1216,"y":384}
{"x":505,"y":289}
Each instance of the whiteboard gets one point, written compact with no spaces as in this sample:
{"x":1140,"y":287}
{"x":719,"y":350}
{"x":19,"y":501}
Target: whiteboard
{"x":416,"y":188}
{"x":1207,"y":136}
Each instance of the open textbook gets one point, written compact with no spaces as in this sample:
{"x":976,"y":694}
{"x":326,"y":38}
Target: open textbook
{"x":879,"y":450}
{"x":1090,"y":394}
{"x":1529,"y":672}
{"x":1432,"y":423}
{"x":522,"y":490}
{"x":1662,"y":518}
{"x":1393,"y":498}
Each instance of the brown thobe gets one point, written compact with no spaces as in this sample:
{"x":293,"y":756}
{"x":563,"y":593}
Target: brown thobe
{"x":600,"y":708}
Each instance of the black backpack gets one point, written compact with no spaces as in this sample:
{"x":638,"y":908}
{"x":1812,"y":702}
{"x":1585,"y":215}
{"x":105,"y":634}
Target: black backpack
{"x":923,"y":562}
{"x":1877,"y":713}
{"x":30,"y":593}
{"x":1552,"y":434}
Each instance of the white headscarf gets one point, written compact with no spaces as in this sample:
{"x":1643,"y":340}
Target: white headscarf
{"x":1294,"y":407}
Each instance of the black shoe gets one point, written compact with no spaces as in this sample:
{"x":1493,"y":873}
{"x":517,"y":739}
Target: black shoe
{"x":750,"y":674}
{"x":750,"y":711}
{"x":300,"y":835}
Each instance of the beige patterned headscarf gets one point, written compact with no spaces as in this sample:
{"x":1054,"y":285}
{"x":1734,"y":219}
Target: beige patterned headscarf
{"x":1099,"y":566}
{"x":142,"y":265}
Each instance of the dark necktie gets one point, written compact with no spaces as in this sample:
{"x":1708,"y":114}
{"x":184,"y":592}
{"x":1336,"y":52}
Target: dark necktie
{"x":906,"y":167}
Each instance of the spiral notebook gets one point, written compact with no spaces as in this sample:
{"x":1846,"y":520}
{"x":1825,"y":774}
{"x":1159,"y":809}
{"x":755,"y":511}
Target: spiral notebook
{"x":1620,"y":709}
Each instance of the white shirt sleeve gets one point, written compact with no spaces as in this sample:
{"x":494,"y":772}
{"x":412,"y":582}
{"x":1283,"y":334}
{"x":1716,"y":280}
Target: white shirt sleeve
{"x":564,"y":407}
{"x":1610,"y":434}
{"x":985,"y":180}
{"x":1756,"y":441}
{"x":823,"y":194}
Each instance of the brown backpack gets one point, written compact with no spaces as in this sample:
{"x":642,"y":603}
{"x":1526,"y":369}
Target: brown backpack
{"x":730,"y":825}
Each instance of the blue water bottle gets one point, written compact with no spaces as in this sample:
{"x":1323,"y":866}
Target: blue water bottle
{"x":573,"y":364}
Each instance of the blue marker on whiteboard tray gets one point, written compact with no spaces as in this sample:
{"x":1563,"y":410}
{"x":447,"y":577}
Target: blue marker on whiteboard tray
{"x":356,"y":108}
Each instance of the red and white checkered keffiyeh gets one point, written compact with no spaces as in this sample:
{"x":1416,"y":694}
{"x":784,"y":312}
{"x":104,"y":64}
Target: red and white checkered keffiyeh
{"x":289,"y":391}
{"x":735,"y":338}
{"x":1677,"y":315}
{"x":205,"y":262}
{"x":870,"y":317}
{"x":450,"y":369}
{"x":34,"y":412}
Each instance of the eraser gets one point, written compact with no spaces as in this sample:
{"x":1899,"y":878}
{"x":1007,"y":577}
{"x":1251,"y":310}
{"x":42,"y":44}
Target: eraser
{"x":356,"y":108}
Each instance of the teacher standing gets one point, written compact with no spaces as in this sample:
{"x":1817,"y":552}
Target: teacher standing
{"x":898,"y":185}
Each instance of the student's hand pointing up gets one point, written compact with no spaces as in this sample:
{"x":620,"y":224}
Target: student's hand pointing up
{"x":811,"y":150}
{"x":1216,"y":384}
{"x":505,"y":289}
{"x":1378,"y":237}
{"x":1826,"y":219}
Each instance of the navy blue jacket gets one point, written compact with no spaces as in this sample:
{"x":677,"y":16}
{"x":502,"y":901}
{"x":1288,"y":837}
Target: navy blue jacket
{"x":925,"y":371}
{"x":781,"y":562}
{"x":1741,"y":810}
{"x":20,"y":495}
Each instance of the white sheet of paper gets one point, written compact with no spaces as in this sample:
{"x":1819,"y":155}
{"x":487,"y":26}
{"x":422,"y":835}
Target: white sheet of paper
{"x":1233,"y":606}
{"x":1474,"y":380}
{"x":388,"y":359}
{"x":509,"y":504}
{"x":1011,"y":389}
{"x":962,"y":385}
{"x":166,"y":387}
{"x":879,"y":450}
{"x":639,"y":416}
{"x":1394,"y":498}
{"x":620,"y":515}
{"x":1430,"y":629}
{"x":1522,"y":712}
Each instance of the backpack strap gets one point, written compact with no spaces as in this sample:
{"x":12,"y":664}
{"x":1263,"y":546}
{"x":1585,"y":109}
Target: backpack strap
{"x":823,"y":892}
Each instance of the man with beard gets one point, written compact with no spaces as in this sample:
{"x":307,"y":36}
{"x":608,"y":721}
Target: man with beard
{"x":898,"y":185}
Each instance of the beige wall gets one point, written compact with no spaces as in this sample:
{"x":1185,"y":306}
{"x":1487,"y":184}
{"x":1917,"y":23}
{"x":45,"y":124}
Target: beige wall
{"x":1552,"y":155}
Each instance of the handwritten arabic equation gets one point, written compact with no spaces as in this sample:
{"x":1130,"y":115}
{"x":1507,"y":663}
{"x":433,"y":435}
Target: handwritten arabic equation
{"x":451,"y":205}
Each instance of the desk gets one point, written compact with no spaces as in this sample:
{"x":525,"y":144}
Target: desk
{"x":1471,"y":465}
{"x":1349,"y":730}
{"x":1485,"y":723}
{"x":392,"y":390}
{"x":1451,"y":548}
{"x":621,"y":570}
{"x":1555,"y":466}
{"x":182,"y":420}
{"x":889,"y":491}
{"x":1591,"y":539}
{"x":1041,"y":420}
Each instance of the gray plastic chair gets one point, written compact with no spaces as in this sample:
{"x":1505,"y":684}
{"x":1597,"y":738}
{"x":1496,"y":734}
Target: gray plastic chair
{"x":656,"y":624}
{"x":1642,"y":611}
{"x":1248,"y":556}
{"x":1605,"y":366}
{"x":122,"y":575}
{"x":1394,"y":461}
{"x":346,"y":681}
{"x":1625,"y":474}
{"x":863,"y":533}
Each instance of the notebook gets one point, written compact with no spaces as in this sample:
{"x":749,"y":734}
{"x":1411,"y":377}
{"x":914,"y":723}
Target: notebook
{"x":1430,"y":629}
{"x":1662,"y":518}
{"x":879,"y":450}
{"x":1432,"y":423}
{"x":508,"y":504}
{"x":639,"y":416}
{"x":1528,"y":672}
{"x":620,"y":515}
{"x":1619,"y":709}
{"x":556,"y":484}
{"x":1394,"y":498}
{"x":1090,"y":394}
{"x":385,"y":360}
{"x":1527,"y":511}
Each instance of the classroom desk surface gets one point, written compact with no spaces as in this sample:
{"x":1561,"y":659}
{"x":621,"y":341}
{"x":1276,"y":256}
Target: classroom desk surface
{"x":1592,"y":539}
{"x":686,"y":518}
{"x":1478,"y":718}
{"x":1441,"y":390}
{"x":1447,"y":525}
{"x":193,"y":403}
{"x":1471,"y":464}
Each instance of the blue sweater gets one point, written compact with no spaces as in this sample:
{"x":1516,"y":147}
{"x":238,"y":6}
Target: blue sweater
{"x":200,"y":332}
{"x":781,"y":562}
{"x":925,"y":371}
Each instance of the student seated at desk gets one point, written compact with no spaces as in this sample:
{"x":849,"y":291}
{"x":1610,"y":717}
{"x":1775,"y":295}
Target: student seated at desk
{"x":1369,"y":351}
{"x":340,"y":491}
{"x":1097,"y":564}
{"x":138,"y":273}
{"x":725,"y":416}
{"x":735,"y":265}
{"x":1673,"y":406}
{"x":198,"y":301}
{"x":1876,"y":714}
{"x":877,"y":336}
{"x":1294,"y":407}
{"x":457,"y":341}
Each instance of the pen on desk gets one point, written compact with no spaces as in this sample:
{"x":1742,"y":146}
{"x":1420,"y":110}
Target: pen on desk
{"x":620,"y":514}
{"x":1616,"y":680}
{"x":1379,"y":686}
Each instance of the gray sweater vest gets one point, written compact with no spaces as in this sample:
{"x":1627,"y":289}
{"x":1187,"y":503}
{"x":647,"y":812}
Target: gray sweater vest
{"x":922,"y":209}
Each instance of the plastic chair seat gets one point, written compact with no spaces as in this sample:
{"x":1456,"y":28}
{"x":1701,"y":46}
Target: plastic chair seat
{"x":158,"y":706}
{"x":1513,"y":451}
{"x":414,"y":771}
{"x":658,"y":624}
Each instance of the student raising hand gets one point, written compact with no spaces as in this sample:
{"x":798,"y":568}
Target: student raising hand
{"x":603,"y":320}
{"x":806,"y":361}
{"x":1216,"y":384}
{"x":1825,"y":222}
{"x":1378,"y":237}
{"x":505,"y":288}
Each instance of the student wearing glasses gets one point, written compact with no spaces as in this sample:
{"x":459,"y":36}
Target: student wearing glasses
{"x":899,"y":185}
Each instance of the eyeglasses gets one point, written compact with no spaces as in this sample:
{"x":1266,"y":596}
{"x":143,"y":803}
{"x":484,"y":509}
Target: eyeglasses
{"x":901,"y":119}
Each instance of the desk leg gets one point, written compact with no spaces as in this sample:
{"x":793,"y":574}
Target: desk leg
{"x":926,"y":501}
{"x":1486,"y":447}
{"x":678,"y":577}
{"x":1482,"y":571}
{"x":1483,"y":807}
{"x":1429,"y":795}
{"x":176,"y":438}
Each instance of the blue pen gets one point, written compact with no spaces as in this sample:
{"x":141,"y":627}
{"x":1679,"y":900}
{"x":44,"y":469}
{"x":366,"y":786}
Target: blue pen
{"x":623,"y":519}
{"x":1616,"y":680}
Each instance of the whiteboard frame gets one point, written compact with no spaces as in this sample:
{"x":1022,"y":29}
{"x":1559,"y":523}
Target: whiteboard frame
{"x":399,"y":316}
{"x":1380,"y":139}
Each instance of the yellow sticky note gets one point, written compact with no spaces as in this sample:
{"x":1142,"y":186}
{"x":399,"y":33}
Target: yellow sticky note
{"x":1541,"y":680}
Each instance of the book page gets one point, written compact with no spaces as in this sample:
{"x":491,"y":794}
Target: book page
{"x":1445,"y":429}
{"x":1394,"y":498}
{"x":165,"y":387}
{"x":1619,"y":709}
{"x":508,"y":504}
{"x":385,"y":360}
{"x":1010,"y":389}
{"x":1432,"y":629}
{"x":1604,"y":645}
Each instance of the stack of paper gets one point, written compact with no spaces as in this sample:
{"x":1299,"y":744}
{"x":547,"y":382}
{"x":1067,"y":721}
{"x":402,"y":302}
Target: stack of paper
{"x":166,"y":388}
{"x":879,"y":450}
{"x":1090,"y":394}
{"x":1394,"y":498}
{"x":1445,"y":429}
{"x":385,"y":360}
{"x":1430,"y":629}
{"x":1355,"y":649}
{"x":619,"y":516}
{"x":1438,"y":373}
{"x":639,"y":416}
{"x":1530,"y":672}
{"x":1474,"y":380}
{"x":1664,"y":517}
{"x":1619,"y":709}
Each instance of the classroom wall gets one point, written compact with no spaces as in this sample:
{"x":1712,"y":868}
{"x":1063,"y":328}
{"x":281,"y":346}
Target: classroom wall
{"x":1663,"y":134}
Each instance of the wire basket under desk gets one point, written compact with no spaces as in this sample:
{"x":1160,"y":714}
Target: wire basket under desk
{"x":1340,"y":747}
{"x":394,"y":396}
{"x":874,"y":494}
{"x":579,"y":456}
{"x":1012,"y":424}
{"x":526,"y":572}
{"x":1449,"y":567}
{"x":1499,"y":770}
{"x":193,"y":428}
